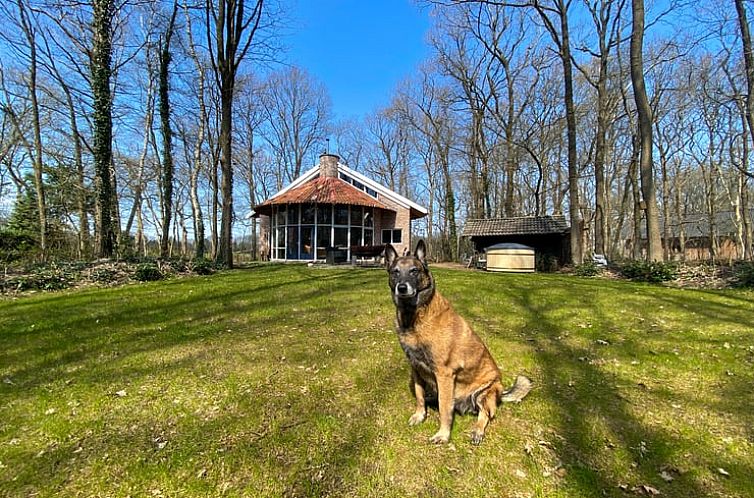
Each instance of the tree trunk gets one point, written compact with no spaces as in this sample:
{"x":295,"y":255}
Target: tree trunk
{"x":224,"y":254}
{"x":646,"y":167}
{"x":36,"y":153}
{"x":743,"y":24}
{"x":229,"y":25}
{"x":167,"y":135}
{"x":574,"y":202}
{"x":100,"y":81}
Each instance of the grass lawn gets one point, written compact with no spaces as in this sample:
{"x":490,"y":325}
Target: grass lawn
{"x":289,"y":381}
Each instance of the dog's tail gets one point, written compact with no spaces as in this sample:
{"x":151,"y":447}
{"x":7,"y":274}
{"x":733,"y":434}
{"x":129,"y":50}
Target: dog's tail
{"x":518,"y":390}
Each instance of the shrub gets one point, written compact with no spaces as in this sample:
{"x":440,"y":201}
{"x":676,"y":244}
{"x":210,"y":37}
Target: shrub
{"x":587,"y":269}
{"x":15,"y":246}
{"x":649,"y":271}
{"x":147,"y":272}
{"x":176,"y":265}
{"x":744,"y":272}
{"x":105,"y":275}
{"x":44,"y":277}
{"x":203,"y":267}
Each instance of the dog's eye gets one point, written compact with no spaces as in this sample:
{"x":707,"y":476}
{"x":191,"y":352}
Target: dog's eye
{"x":396,"y":272}
{"x":414,"y":271}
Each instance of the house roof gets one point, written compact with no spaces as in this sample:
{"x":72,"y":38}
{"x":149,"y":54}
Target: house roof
{"x":321,"y":190}
{"x":522,"y":225}
{"x":310,"y":187}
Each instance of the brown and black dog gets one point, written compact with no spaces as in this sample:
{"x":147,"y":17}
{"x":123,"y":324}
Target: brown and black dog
{"x":450,"y":365}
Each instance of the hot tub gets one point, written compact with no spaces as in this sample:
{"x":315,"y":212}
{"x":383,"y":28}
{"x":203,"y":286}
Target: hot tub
{"x":510,"y":257}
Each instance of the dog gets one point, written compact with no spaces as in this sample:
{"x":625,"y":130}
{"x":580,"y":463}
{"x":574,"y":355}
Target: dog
{"x":450,"y":365}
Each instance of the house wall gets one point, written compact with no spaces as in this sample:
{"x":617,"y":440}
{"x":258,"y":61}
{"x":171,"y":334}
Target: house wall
{"x":264,"y":237}
{"x":401,"y":218}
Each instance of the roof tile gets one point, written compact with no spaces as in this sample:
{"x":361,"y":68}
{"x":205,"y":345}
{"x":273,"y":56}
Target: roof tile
{"x":323,"y":190}
{"x":523,"y":225}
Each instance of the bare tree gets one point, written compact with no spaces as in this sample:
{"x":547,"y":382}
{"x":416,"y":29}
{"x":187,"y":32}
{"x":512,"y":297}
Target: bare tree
{"x":646,"y":168}
{"x":743,"y":24}
{"x":28,"y":27}
{"x":231,"y":31}
{"x":297,"y":115}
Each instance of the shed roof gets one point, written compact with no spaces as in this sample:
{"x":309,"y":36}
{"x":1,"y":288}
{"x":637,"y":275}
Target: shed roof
{"x":522,"y":225}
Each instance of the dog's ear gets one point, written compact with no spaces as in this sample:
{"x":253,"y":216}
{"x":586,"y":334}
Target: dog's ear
{"x":421,"y":251}
{"x":390,"y":255}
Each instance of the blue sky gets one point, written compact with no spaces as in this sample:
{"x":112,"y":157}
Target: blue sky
{"x":360,"y":49}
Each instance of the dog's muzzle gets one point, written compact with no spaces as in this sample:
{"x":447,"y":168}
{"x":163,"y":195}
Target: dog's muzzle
{"x":404,"y":291}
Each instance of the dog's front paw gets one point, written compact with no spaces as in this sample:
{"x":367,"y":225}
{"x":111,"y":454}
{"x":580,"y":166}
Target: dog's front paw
{"x":417,"y":418}
{"x":477,"y":437}
{"x":441,"y":437}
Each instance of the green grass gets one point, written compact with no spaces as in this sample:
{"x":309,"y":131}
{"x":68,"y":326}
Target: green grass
{"x":289,"y":381}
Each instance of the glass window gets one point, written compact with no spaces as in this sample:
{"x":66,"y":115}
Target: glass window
{"x":368,"y":237}
{"x":291,"y":248}
{"x":392,"y":236}
{"x":368,"y":217}
{"x":280,"y":239}
{"x":323,"y":236}
{"x":341,"y":215}
{"x":324,"y":214}
{"x":356,"y":216}
{"x":307,"y":242}
{"x":341,"y":237}
{"x":293,"y":214}
{"x":307,"y":214}
{"x":280,"y":215}
{"x":355,"y":236}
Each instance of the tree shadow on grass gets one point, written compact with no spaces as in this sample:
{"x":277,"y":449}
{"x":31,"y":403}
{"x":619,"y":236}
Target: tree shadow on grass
{"x":262,"y":434}
{"x":273,"y":441}
{"x":179,"y":315}
{"x":605,"y":442}
{"x":596,"y":396}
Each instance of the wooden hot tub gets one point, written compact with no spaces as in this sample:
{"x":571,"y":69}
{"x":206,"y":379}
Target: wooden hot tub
{"x":510,"y":257}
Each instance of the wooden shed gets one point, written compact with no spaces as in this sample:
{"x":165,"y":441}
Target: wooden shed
{"x":546,"y":235}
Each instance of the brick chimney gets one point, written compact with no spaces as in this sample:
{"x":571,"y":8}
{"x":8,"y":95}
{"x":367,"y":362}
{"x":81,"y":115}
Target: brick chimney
{"x":328,"y":165}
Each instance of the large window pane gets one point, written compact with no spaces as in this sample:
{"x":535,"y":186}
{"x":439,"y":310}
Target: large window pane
{"x":291,"y":248}
{"x":368,"y":237}
{"x":341,"y":237}
{"x":324,"y":214}
{"x":355,"y":236}
{"x":307,"y":214}
{"x":368,"y":217}
{"x":293,"y":214}
{"x":387,"y":236}
{"x":307,"y":242}
{"x":341,"y":215}
{"x":280,"y":239}
{"x":397,"y":236}
{"x":323,"y":236}
{"x":356,"y":214}
{"x":280,"y":215}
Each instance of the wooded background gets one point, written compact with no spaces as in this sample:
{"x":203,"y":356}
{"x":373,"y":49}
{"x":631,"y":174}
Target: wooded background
{"x":152,"y":128}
